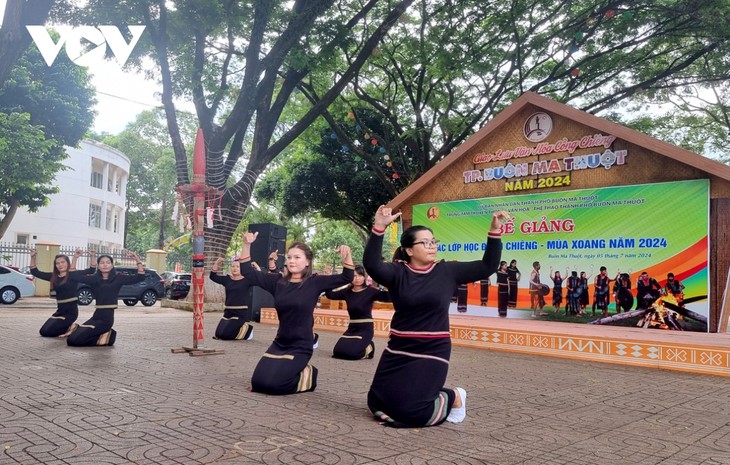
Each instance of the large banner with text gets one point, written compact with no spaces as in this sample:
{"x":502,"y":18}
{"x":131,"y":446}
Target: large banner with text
{"x":653,"y":228}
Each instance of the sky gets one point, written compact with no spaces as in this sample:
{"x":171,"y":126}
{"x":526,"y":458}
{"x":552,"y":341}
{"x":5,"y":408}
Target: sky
{"x":121,"y":94}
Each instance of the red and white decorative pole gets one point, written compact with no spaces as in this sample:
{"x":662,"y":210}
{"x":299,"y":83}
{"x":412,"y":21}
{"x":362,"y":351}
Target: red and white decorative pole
{"x":198,"y":189}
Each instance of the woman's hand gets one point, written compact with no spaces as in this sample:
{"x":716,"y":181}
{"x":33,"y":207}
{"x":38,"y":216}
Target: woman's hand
{"x":249,"y":237}
{"x":345,"y":252}
{"x":384,"y":216}
{"x":498,"y":219}
{"x":78,"y":253}
{"x":33,"y":253}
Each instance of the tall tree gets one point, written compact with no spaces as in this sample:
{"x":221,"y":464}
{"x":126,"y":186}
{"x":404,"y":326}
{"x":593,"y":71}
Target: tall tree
{"x":36,"y":100}
{"x":151,"y":186}
{"x":448,"y":67}
{"x":242,"y":63}
{"x":14,"y":38}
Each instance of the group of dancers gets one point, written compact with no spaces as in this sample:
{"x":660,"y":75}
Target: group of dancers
{"x":419,"y":345}
{"x":105,"y":282}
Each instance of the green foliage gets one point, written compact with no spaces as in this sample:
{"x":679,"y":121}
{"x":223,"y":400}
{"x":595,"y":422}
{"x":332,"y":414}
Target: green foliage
{"x":151,"y":192}
{"x":328,"y":236}
{"x":28,"y":163}
{"x":42,"y":109}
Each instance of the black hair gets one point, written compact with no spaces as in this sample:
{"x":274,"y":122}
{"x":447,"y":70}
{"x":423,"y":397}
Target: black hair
{"x":407,"y":240}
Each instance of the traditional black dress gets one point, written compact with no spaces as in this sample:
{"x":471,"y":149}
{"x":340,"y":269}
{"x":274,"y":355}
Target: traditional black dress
{"x":234,"y":325}
{"x":357,"y":341}
{"x":584,"y":292}
{"x":557,"y":292}
{"x":67,"y":306}
{"x":514,"y":276}
{"x":285,"y":368}
{"x":408,"y":386}
{"x":623,"y":295}
{"x":574,"y":292}
{"x":97,"y":331}
{"x":502,"y":292}
{"x":601,"y":297}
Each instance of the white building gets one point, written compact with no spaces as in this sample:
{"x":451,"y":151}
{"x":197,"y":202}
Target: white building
{"x":90,"y":207}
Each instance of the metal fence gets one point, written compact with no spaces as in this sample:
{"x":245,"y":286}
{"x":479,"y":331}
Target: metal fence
{"x":18,"y":255}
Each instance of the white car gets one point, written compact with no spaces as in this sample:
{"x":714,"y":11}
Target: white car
{"x":14,"y":285}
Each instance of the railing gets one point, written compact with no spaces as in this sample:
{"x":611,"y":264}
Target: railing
{"x":18,"y":255}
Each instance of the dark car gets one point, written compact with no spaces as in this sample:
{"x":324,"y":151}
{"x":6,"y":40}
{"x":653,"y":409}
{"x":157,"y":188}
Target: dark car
{"x":147,"y":291}
{"x":177,"y":285}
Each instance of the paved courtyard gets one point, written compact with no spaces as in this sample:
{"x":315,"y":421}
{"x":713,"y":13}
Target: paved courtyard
{"x":138,"y":403}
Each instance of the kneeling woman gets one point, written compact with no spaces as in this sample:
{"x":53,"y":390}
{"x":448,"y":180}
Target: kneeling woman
{"x":234,"y":325}
{"x":105,"y":283}
{"x":65,"y":286}
{"x":357,"y":342}
{"x":408,"y":386}
{"x":285,"y":367}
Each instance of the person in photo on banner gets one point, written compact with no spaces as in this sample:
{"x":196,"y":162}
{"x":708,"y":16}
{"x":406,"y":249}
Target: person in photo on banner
{"x":514,"y":283}
{"x":622,"y":292}
{"x":674,"y":287}
{"x":235,"y":324}
{"x":285,"y":367}
{"x":647,"y":290}
{"x":105,"y":283}
{"x":584,"y":297}
{"x":65,"y":287}
{"x":602,"y":285}
{"x":357,"y":341}
{"x":574,"y":291}
{"x":408,"y":386}
{"x":558,"y":279}
{"x":537,"y":292}
{"x":502,"y":289}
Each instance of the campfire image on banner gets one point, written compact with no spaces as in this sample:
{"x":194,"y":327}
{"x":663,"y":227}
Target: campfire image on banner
{"x":666,"y":312}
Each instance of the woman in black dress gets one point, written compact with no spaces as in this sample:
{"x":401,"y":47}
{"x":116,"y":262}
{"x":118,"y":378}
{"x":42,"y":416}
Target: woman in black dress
{"x":234,"y":325}
{"x":502,"y":289}
{"x":357,"y":341}
{"x":408,"y":386}
{"x":64,"y":285}
{"x":514,"y":280}
{"x":557,"y":289}
{"x":285,"y":367}
{"x":106,"y":283}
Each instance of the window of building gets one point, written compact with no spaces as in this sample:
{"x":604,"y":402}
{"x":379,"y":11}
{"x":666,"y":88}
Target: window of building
{"x":108,"y":224}
{"x":95,"y":216}
{"x":97,"y":179}
{"x":22,"y":239}
{"x":116,"y":222}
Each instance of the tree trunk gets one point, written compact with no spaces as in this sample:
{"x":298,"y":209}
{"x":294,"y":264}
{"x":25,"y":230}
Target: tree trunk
{"x":8,"y":218}
{"x":14,"y":38}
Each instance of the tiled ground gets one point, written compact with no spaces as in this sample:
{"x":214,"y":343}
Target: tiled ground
{"x":137,"y":403}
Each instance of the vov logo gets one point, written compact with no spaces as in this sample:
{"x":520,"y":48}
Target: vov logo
{"x":81,"y":55}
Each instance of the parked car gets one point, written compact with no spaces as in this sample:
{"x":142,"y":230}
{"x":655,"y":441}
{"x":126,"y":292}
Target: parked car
{"x":14,"y":285}
{"x":147,"y":291}
{"x":177,"y":285}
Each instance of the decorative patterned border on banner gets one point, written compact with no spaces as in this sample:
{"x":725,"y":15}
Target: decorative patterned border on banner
{"x":668,"y":356}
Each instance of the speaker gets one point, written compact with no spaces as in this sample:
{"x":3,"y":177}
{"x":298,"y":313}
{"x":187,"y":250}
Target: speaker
{"x":258,"y":299}
{"x":271,"y":237}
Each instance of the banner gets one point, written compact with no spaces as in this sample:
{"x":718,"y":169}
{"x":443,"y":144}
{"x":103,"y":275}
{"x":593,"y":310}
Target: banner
{"x":657,"y":228}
